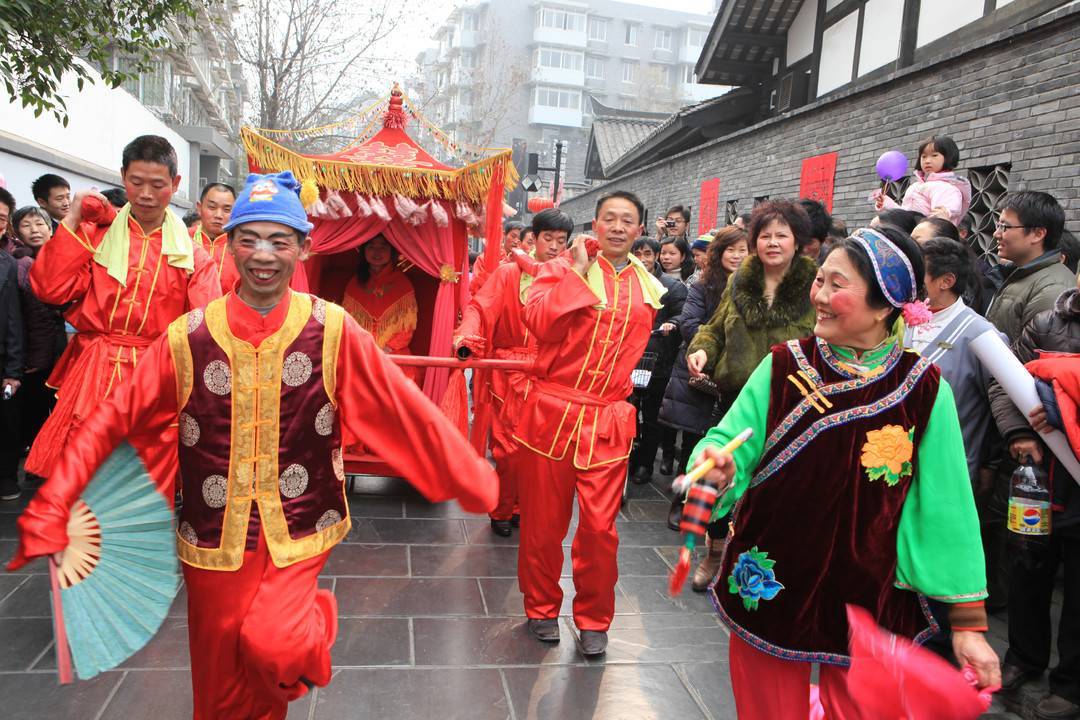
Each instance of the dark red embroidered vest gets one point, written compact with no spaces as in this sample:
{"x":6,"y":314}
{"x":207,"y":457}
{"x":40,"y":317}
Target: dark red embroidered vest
{"x":817,"y":527}
{"x":258,"y":425}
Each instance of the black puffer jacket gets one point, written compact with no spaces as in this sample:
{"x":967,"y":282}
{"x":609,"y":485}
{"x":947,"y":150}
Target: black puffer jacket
{"x":1056,"y":330}
{"x":685,"y":408}
{"x":666,"y":347}
{"x":44,"y":324}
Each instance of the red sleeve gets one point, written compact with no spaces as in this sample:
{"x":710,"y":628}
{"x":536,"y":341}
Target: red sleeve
{"x":479,"y":276}
{"x":385,"y":409}
{"x":61,"y":271}
{"x":485,"y":306}
{"x":140,"y":410}
{"x":554,"y":299}
{"x":204,"y":284}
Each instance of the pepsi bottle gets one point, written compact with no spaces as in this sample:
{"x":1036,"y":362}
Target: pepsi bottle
{"x":1029,"y":501}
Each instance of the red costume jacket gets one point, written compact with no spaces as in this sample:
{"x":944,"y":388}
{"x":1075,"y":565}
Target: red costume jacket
{"x":587,"y":347}
{"x":217,"y":249}
{"x":496,"y":313}
{"x":268,"y":375}
{"x":385,"y":306}
{"x":115,"y":323}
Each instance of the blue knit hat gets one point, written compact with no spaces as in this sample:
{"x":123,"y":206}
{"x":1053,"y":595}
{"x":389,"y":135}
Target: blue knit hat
{"x":270,"y":198}
{"x":702,"y":243}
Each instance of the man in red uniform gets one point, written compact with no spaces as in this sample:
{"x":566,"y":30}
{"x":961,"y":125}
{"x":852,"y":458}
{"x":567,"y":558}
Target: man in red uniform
{"x":126,"y":281}
{"x":512,"y":230}
{"x":591,"y":317}
{"x":263,"y":384}
{"x":214,"y":207}
{"x":492,"y":326}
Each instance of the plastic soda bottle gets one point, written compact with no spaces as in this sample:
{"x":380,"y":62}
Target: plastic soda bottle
{"x":1029,"y":500}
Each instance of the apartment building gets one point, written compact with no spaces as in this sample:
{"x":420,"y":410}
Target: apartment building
{"x":506,"y":70}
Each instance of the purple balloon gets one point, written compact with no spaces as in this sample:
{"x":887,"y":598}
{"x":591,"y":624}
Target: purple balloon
{"x":892,"y":165}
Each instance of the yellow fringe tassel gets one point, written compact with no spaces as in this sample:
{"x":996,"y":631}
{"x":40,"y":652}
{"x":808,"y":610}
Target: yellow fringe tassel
{"x":470,"y":183}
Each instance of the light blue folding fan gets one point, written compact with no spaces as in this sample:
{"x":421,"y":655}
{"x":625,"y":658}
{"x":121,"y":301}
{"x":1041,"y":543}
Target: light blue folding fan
{"x":118,"y":576}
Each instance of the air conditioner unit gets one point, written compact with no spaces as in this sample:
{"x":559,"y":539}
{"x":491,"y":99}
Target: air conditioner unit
{"x":794,"y":89}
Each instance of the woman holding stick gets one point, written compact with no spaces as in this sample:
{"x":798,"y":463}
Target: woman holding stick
{"x":852,"y":490}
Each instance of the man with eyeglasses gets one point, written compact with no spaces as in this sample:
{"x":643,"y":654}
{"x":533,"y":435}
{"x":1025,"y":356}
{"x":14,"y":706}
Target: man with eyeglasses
{"x":265,"y":385}
{"x":1028,"y":279}
{"x":1030,"y":275}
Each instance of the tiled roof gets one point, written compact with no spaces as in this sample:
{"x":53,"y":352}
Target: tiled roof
{"x":614,"y":136}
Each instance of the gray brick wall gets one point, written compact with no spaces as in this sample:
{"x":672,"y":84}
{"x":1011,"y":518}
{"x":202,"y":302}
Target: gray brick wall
{"x":1013,"y":99}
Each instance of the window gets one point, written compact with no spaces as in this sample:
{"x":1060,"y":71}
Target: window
{"x":666,"y":74}
{"x":594,"y":68}
{"x":147,"y":86}
{"x":629,"y":72}
{"x":559,"y":59}
{"x":630,"y":38}
{"x":662,"y":39}
{"x":988,"y":184}
{"x":556,"y":98}
{"x":561,"y":20}
{"x":598,"y":29}
{"x":695,"y":37}
{"x":689,"y":77}
{"x":469,"y":21}
{"x":731,"y":211}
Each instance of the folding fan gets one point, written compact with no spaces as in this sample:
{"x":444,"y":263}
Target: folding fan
{"x":118,"y":575}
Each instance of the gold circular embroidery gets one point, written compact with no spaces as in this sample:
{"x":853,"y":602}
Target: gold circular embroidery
{"x":194,"y":320}
{"x":328,"y":519}
{"x":293,"y":481}
{"x":189,"y":430}
{"x":318,"y":311}
{"x":187,"y":534}
{"x":297,"y":369}
{"x":324,"y":421}
{"x":215,"y":491}
{"x":218,"y":377}
{"x":339,"y":463}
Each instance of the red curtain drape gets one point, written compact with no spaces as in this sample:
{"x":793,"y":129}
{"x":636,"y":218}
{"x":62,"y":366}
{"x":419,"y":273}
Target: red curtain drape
{"x":428,"y":246}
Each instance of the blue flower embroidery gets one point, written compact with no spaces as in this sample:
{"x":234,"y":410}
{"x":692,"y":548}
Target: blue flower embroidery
{"x":753,"y":578}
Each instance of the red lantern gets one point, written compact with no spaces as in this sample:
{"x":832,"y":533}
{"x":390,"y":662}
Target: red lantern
{"x":538,"y":203}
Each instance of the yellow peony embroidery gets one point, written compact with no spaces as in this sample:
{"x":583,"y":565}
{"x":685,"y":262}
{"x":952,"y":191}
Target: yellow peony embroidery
{"x":887,"y":453}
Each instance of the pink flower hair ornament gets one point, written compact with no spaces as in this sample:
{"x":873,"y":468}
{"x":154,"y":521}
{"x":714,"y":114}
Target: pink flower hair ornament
{"x":917,"y":313}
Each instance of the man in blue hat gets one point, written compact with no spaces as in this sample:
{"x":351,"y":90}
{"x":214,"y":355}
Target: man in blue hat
{"x":266,"y":385}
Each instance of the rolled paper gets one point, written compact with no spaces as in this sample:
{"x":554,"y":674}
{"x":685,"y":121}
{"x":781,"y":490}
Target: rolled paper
{"x":1019,"y":385}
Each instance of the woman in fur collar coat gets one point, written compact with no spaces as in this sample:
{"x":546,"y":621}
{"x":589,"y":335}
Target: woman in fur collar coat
{"x":766,"y":302}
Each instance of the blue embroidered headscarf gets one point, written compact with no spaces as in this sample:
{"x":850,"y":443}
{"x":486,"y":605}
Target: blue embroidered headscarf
{"x":892,"y":268}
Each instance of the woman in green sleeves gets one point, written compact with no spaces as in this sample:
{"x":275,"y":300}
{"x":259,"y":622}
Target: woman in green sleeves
{"x":853,"y":490}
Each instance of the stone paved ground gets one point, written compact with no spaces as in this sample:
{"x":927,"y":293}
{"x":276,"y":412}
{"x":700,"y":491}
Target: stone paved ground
{"x":431,"y":626}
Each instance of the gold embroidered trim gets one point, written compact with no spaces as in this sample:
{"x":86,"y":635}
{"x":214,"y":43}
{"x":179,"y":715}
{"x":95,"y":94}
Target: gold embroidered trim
{"x":335,"y":322}
{"x":181,"y":357}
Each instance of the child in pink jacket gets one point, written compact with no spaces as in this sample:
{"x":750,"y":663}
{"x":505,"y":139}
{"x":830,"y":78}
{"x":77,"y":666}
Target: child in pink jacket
{"x":938,"y":189}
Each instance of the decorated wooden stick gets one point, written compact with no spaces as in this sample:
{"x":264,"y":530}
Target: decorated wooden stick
{"x":697,"y":510}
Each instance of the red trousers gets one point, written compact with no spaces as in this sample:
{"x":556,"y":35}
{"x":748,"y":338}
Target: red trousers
{"x":547,"y":502}
{"x":505,"y":451}
{"x":254,"y":633}
{"x":768,"y":688}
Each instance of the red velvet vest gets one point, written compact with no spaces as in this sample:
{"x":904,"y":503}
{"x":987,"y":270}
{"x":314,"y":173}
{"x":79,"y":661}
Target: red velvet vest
{"x":817,"y":527}
{"x":258,"y":425}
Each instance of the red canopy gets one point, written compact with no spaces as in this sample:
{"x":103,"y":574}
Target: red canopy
{"x":388,"y":185}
